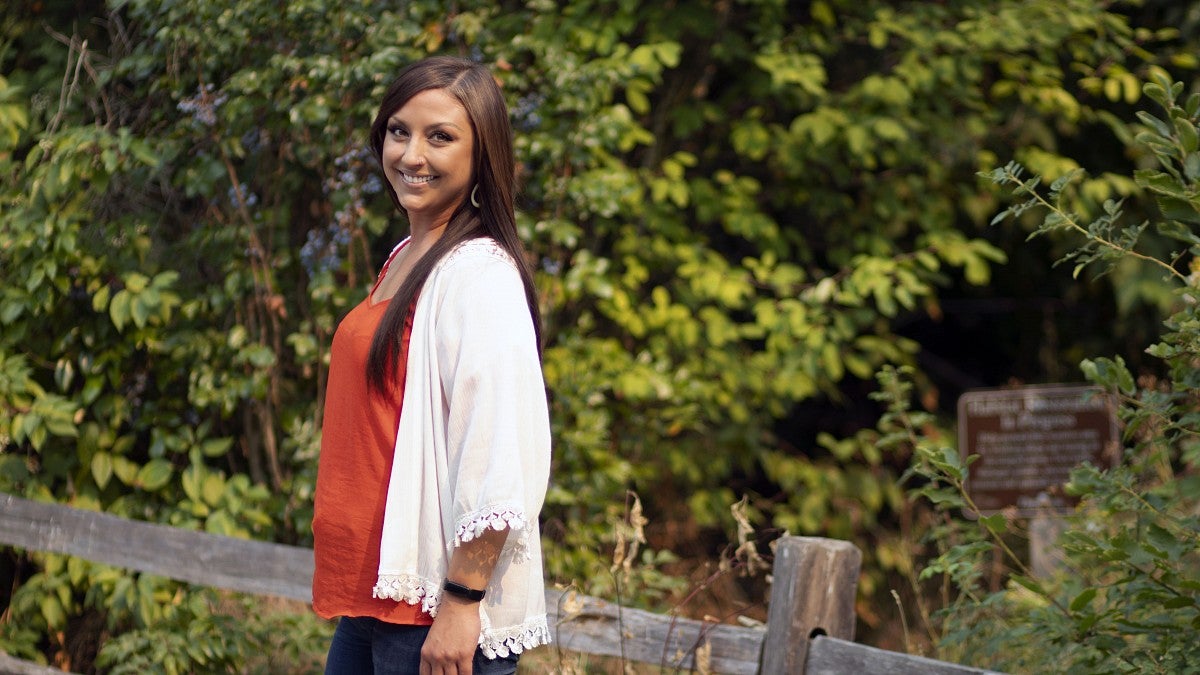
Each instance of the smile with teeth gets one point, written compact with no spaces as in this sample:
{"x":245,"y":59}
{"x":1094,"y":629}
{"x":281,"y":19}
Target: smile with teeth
{"x":415,"y":180}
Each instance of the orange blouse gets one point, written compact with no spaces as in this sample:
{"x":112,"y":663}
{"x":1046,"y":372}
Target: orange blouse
{"x":357,"y":443}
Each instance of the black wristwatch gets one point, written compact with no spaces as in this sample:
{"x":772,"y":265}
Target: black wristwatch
{"x":458,"y":590}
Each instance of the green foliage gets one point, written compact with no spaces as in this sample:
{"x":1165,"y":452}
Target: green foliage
{"x":161,"y":626}
{"x":237,"y":639}
{"x":734,"y":209}
{"x":1128,"y":599}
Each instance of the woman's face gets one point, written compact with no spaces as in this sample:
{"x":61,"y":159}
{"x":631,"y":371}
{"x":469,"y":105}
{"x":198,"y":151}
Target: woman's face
{"x":427,"y":156}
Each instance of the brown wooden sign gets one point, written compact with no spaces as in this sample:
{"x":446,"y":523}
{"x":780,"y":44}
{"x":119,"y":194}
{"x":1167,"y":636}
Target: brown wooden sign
{"x":1028,"y":440}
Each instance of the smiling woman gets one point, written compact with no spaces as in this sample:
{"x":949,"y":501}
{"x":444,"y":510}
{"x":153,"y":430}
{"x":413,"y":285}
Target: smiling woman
{"x":427,"y":158}
{"x":429,"y":486}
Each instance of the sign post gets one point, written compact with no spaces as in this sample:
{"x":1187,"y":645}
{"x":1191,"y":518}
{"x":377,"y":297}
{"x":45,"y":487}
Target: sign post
{"x":1028,"y":439}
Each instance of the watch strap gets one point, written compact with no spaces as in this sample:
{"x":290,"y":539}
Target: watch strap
{"x":458,"y":590}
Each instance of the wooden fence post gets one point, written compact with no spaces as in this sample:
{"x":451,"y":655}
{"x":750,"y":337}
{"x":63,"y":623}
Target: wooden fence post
{"x":815,"y":581}
{"x":1045,"y":554}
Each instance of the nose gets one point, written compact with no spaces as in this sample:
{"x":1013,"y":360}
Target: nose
{"x":414,"y":153}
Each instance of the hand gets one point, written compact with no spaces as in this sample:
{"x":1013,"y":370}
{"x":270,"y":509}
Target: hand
{"x":450,"y":646}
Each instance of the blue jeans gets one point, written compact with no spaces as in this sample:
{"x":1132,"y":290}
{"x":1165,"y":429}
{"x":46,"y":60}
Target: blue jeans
{"x":366,"y":646}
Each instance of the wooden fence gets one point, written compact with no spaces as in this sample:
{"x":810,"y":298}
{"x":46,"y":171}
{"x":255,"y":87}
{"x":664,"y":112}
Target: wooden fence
{"x":810,"y":620}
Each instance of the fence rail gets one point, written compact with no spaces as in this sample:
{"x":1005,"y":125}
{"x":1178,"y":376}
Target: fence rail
{"x":810,"y":623}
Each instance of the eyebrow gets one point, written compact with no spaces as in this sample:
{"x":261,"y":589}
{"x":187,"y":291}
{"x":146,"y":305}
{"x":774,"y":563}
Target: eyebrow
{"x":436,"y":125}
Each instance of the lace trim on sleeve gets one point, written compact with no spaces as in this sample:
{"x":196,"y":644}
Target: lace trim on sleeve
{"x":481,"y":244}
{"x":408,"y":588}
{"x":497,"y":518}
{"x":500,"y":642}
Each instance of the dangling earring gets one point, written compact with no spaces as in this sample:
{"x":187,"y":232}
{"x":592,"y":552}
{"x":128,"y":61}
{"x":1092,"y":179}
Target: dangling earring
{"x":474,"y":199}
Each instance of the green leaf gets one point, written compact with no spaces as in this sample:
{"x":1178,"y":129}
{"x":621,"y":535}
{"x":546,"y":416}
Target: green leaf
{"x":136,"y":282}
{"x":102,"y":468}
{"x":53,"y":612}
{"x":216,"y":447}
{"x":1029,"y":583}
{"x":119,"y":309}
{"x":804,"y":71}
{"x":139,"y":311}
{"x":1187,"y":135}
{"x":213,"y":489}
{"x":951,"y":463}
{"x":221,"y":523}
{"x":1083,"y":600}
{"x":1160,"y":183}
{"x":1165,"y":544}
{"x":752,"y":139}
{"x":154,"y":474}
{"x":100,"y":299}
{"x":1179,"y":602}
{"x":1183,"y":210}
{"x":191,"y":480}
{"x":1156,"y":92}
{"x":889,"y":129}
{"x":995,"y":523}
{"x":10,"y":312}
{"x":125,"y":470}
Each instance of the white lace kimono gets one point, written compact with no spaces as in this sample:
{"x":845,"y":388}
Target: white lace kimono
{"x":473,"y":446}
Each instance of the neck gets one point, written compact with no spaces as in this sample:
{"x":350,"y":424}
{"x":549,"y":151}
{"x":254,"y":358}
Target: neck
{"x":424,"y":232}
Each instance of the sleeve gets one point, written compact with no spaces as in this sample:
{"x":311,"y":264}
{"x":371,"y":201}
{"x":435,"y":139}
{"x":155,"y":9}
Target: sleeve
{"x":498,"y":428}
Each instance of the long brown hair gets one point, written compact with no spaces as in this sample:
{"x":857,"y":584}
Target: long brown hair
{"x":495,"y":175}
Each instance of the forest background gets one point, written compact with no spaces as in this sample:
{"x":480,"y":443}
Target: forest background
{"x":740,"y":212}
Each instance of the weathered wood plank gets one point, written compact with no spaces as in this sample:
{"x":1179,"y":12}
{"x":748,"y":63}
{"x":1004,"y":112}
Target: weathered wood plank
{"x":815,"y":582}
{"x":811,"y":574}
{"x":592,"y":626}
{"x":581,"y":623}
{"x":832,"y":656}
{"x":13,"y":666}
{"x":257,"y":567}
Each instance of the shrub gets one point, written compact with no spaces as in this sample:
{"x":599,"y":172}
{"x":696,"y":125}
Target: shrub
{"x":1127,"y":599}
